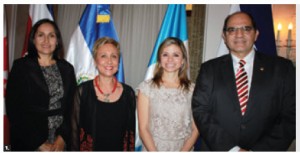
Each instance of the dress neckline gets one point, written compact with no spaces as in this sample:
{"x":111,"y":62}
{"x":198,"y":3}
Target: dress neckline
{"x":48,"y":66}
{"x":112,"y":102}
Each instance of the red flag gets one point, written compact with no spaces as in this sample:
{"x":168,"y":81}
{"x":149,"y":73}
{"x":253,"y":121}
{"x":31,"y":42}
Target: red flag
{"x":5,"y":73}
{"x":36,"y":12}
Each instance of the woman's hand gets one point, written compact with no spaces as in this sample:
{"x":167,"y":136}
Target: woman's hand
{"x":46,"y":146}
{"x":59,"y":144}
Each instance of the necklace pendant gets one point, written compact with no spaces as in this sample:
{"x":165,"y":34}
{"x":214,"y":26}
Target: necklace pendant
{"x":106,"y":100}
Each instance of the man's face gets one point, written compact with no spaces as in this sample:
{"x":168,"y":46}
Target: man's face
{"x":240,"y":35}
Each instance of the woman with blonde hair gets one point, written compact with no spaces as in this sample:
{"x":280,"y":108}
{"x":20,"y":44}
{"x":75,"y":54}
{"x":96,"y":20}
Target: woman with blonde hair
{"x":103,"y":116}
{"x":164,"y":102}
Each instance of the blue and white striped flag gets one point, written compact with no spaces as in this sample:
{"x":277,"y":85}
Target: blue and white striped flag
{"x":96,"y":22}
{"x":262,"y":14}
{"x":173,"y":25}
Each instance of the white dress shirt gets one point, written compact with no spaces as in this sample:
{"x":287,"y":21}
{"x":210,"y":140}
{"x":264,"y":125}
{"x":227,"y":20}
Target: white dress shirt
{"x":249,"y":59}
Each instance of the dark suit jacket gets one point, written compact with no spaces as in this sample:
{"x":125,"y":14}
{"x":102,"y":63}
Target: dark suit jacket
{"x":269,"y":121}
{"x":27,"y":103}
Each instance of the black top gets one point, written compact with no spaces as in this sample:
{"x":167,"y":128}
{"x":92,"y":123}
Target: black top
{"x":111,"y":125}
{"x":100,"y":126}
{"x":27,"y":103}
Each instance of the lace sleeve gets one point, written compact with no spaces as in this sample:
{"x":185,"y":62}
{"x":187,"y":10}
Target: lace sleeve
{"x":129,"y":139}
{"x":74,"y":141}
{"x":144,"y":88}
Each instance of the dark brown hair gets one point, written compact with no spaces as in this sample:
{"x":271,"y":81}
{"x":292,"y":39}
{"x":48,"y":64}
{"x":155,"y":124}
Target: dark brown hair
{"x":32,"y":51}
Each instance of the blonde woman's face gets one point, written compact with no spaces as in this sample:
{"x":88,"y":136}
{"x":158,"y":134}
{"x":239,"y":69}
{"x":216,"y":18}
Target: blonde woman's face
{"x":171,"y":58}
{"x":107,"y":60}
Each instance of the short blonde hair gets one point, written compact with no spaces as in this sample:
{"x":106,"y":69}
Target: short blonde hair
{"x":102,"y":41}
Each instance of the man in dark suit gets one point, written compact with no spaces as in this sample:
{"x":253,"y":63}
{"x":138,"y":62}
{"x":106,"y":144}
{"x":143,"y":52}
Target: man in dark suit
{"x":249,"y":104}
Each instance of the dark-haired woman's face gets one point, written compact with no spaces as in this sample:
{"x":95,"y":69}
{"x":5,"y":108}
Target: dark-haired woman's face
{"x":45,"y":39}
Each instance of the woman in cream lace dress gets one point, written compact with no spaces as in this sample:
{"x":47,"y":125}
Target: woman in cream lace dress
{"x":164,"y":102}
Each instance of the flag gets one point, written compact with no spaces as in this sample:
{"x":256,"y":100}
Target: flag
{"x":36,"y":13}
{"x":5,"y":76}
{"x":96,"y":22}
{"x":262,"y":15}
{"x":174,"y":25}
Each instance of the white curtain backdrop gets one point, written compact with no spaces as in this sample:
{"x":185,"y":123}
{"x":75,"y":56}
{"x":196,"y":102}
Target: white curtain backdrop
{"x":137,"y":27}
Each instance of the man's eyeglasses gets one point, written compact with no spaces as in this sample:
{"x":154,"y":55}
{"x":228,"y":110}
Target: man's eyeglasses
{"x":245,"y":29}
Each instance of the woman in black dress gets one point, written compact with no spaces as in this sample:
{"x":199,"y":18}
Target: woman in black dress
{"x":40,"y":91}
{"x":103,"y":116}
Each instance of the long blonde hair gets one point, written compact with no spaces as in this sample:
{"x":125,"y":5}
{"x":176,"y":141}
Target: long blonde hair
{"x":182,"y":74}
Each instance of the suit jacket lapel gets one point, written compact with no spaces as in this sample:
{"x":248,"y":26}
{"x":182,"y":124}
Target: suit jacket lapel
{"x":258,"y":77}
{"x":229,"y":79}
{"x":38,"y":76}
{"x":64,"y":75}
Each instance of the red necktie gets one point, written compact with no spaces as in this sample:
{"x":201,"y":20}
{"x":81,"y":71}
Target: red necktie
{"x":242,"y":86}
